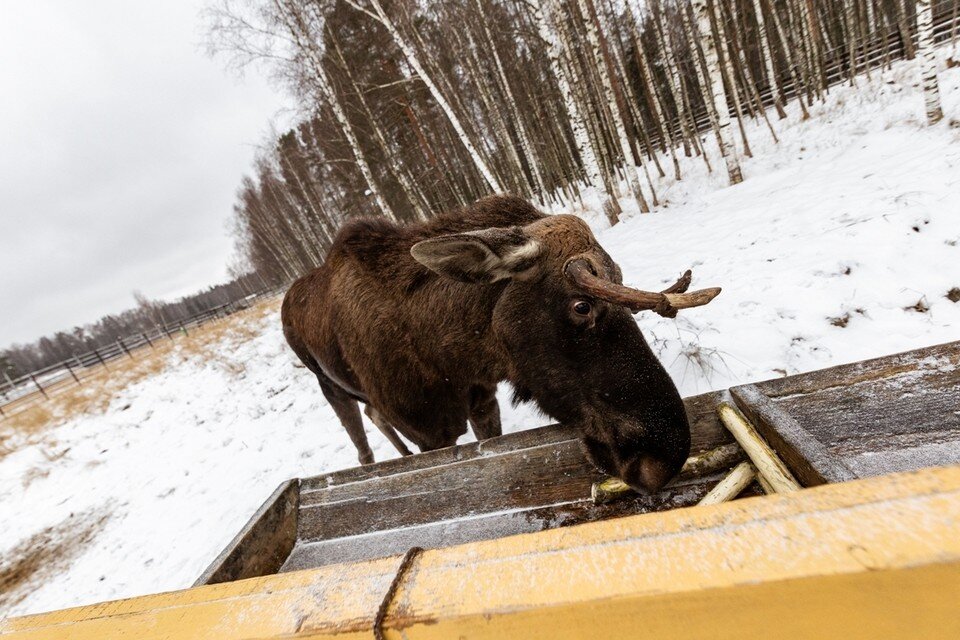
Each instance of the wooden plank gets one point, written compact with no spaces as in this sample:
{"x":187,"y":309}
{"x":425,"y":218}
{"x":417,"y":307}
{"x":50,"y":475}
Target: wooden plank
{"x":892,"y":414}
{"x":448,"y":455}
{"x":549,"y":474}
{"x":863,"y":371}
{"x":806,"y":456}
{"x":705,"y":429}
{"x":488,"y":526}
{"x":500,"y":478}
{"x":263,"y":544}
{"x":844,"y":560}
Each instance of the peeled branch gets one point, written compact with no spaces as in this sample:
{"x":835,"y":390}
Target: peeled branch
{"x":776,"y":475}
{"x":702,"y":464}
{"x":731,"y":486}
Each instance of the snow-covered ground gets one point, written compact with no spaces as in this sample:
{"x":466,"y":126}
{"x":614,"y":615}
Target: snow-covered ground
{"x":841,"y":244}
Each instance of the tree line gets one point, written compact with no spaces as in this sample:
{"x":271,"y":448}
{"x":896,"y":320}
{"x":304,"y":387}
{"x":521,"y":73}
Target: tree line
{"x":410,"y":108}
{"x":145,"y":317}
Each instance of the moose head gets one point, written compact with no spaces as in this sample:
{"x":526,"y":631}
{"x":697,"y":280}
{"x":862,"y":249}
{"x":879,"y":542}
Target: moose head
{"x":564,"y":327}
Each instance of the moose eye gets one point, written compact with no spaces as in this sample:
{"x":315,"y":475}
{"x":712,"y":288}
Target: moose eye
{"x":582,"y":307}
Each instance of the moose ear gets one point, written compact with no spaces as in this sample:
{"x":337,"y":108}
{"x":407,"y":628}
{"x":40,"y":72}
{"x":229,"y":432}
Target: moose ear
{"x":483,"y":256}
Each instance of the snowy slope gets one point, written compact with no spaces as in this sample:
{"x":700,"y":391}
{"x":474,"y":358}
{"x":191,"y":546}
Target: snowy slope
{"x":852,"y":219}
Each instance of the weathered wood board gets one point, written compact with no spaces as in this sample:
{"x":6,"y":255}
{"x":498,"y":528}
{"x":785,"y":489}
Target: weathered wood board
{"x":838,"y":561}
{"x":896,"y":413}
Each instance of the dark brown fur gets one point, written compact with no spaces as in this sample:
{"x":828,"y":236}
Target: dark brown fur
{"x":425,"y":351}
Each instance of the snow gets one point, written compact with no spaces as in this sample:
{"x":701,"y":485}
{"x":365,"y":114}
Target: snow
{"x":852,"y":219}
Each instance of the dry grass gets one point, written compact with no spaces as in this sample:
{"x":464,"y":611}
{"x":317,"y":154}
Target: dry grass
{"x":46,"y":553}
{"x":101,"y":386}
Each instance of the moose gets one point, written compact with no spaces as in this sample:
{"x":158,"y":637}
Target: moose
{"x":420,"y":322}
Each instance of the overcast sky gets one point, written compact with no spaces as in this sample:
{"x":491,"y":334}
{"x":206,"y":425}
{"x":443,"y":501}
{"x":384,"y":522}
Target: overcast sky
{"x":121,"y":148}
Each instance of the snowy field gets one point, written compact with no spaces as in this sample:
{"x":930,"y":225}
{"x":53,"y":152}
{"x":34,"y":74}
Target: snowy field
{"x":841,"y":244}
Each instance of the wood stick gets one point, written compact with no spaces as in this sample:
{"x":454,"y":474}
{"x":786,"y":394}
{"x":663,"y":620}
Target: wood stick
{"x":702,"y":464}
{"x":765,"y":484}
{"x":731,"y":486}
{"x":766,"y":460}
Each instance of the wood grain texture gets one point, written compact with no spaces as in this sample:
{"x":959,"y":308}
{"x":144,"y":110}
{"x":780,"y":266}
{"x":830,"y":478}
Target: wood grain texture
{"x":897,"y":413}
{"x":706,"y":432}
{"x":487,"y":526}
{"x":448,"y":455}
{"x":828,"y":426}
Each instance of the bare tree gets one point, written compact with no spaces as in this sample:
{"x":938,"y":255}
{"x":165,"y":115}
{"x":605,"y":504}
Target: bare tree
{"x":380,"y":15}
{"x":717,"y":92}
{"x":931,"y":88}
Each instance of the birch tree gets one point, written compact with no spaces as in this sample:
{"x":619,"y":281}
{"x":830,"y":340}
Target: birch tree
{"x":931,"y":88}
{"x":413,"y":60}
{"x":776,"y":91}
{"x":397,"y":169}
{"x":298,"y":25}
{"x":717,"y":93}
{"x":525,"y":144}
{"x":618,"y":122}
{"x":584,"y":149}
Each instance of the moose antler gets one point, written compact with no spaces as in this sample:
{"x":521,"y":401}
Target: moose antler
{"x":666,"y":302}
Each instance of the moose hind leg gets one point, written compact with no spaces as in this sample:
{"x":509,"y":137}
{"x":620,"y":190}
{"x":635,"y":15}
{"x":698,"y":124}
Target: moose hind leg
{"x":387,"y":429}
{"x":348,"y":411}
{"x":484,"y":412}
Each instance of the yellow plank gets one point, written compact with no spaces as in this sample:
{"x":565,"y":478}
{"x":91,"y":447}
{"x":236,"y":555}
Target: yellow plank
{"x":876,"y":558}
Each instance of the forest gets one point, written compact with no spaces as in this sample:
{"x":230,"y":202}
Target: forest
{"x":148,"y":315}
{"x":407,"y":109}
{"x":412,"y":108}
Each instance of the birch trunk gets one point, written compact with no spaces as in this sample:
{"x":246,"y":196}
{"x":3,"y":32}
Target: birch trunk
{"x":673,"y":75}
{"x":775,"y":90}
{"x":297,"y":25}
{"x":498,"y":123}
{"x":394,"y":165}
{"x":526,"y":147}
{"x":618,"y":122}
{"x":351,"y":137}
{"x":581,"y":138}
{"x":653,"y":99}
{"x":786,"y":47}
{"x":719,"y":96}
{"x":414,"y":62}
{"x":699,"y":66}
{"x":931,"y":88}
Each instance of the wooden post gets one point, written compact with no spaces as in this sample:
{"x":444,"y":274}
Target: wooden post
{"x":96,"y":352}
{"x":124,"y":347}
{"x":72,"y":374}
{"x":32,"y":377}
{"x":167,"y":332}
{"x":142,"y":333}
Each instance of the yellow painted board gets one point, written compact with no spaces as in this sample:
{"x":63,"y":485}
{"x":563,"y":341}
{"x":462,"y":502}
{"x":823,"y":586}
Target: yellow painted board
{"x":875,"y":558}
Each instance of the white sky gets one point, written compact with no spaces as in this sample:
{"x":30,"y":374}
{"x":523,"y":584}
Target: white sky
{"x":121,"y":148}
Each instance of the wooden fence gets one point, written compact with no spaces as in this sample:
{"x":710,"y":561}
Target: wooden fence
{"x":16,"y":394}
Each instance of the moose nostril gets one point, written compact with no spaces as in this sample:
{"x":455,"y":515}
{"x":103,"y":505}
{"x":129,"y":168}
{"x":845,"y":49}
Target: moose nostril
{"x":654,"y":473}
